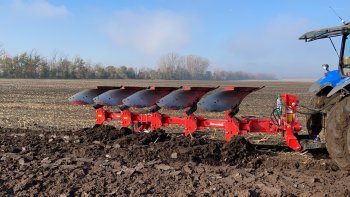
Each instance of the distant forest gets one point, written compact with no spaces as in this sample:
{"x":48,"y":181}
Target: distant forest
{"x":170,"y":67}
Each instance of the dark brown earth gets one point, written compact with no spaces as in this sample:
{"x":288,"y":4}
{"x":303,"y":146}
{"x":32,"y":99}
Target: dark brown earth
{"x":106,"y":161}
{"x":45,"y":150}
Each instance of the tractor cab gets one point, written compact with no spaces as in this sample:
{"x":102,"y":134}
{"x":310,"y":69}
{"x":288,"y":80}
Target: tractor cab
{"x":335,"y":80}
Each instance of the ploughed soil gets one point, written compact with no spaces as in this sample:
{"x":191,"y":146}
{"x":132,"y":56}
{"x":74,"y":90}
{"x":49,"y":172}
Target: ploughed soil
{"x":112,"y":162}
{"x":44,"y":150}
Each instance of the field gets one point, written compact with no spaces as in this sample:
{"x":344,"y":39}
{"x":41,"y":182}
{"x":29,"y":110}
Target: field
{"x":47,"y":146}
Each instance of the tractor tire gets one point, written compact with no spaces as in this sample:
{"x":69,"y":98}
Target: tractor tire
{"x":315,"y":122}
{"x":338,"y":133}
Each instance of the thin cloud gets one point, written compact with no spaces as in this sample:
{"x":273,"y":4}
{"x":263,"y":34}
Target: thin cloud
{"x":39,"y":8}
{"x":274,"y":48}
{"x":278,"y":36}
{"x":149,"y":33}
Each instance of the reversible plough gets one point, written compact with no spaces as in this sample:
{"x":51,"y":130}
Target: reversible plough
{"x":211,"y":99}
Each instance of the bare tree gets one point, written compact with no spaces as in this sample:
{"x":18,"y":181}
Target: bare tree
{"x":2,"y":51}
{"x":167,"y":65}
{"x":197,"y":66}
{"x":2,"y":59}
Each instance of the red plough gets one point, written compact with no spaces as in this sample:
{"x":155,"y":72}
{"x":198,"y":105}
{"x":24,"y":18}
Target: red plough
{"x":209,"y":99}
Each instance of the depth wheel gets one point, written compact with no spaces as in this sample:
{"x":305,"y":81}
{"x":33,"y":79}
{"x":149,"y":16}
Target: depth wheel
{"x":338,"y":133}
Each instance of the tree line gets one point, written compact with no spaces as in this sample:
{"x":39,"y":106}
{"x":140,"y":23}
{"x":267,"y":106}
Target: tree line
{"x":170,"y":67}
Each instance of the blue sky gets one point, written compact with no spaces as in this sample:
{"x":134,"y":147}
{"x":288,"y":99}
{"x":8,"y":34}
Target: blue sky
{"x":251,"y":36}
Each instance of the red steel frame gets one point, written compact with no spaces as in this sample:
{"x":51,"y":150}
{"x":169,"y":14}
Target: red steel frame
{"x":287,"y":124}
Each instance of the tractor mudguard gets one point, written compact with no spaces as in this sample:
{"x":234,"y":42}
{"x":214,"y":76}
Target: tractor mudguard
{"x":342,"y":84}
{"x":317,"y":88}
{"x":327,"y":82}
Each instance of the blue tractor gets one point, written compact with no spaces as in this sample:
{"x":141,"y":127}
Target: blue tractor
{"x":331,"y":101}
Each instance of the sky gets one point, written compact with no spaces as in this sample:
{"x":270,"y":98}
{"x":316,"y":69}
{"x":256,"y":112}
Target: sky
{"x":251,"y":36}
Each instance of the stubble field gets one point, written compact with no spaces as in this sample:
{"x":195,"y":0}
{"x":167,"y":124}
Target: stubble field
{"x":47,"y":147}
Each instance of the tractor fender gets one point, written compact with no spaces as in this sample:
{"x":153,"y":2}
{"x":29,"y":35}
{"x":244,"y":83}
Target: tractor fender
{"x":317,"y":88}
{"x":342,"y":84}
{"x":325,"y":84}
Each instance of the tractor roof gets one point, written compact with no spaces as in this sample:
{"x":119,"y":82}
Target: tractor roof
{"x":326,"y":33}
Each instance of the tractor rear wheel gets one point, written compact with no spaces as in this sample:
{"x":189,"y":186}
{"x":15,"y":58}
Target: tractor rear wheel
{"x":338,"y":133}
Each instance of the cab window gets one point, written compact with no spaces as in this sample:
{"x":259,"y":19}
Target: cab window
{"x":346,"y":57}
